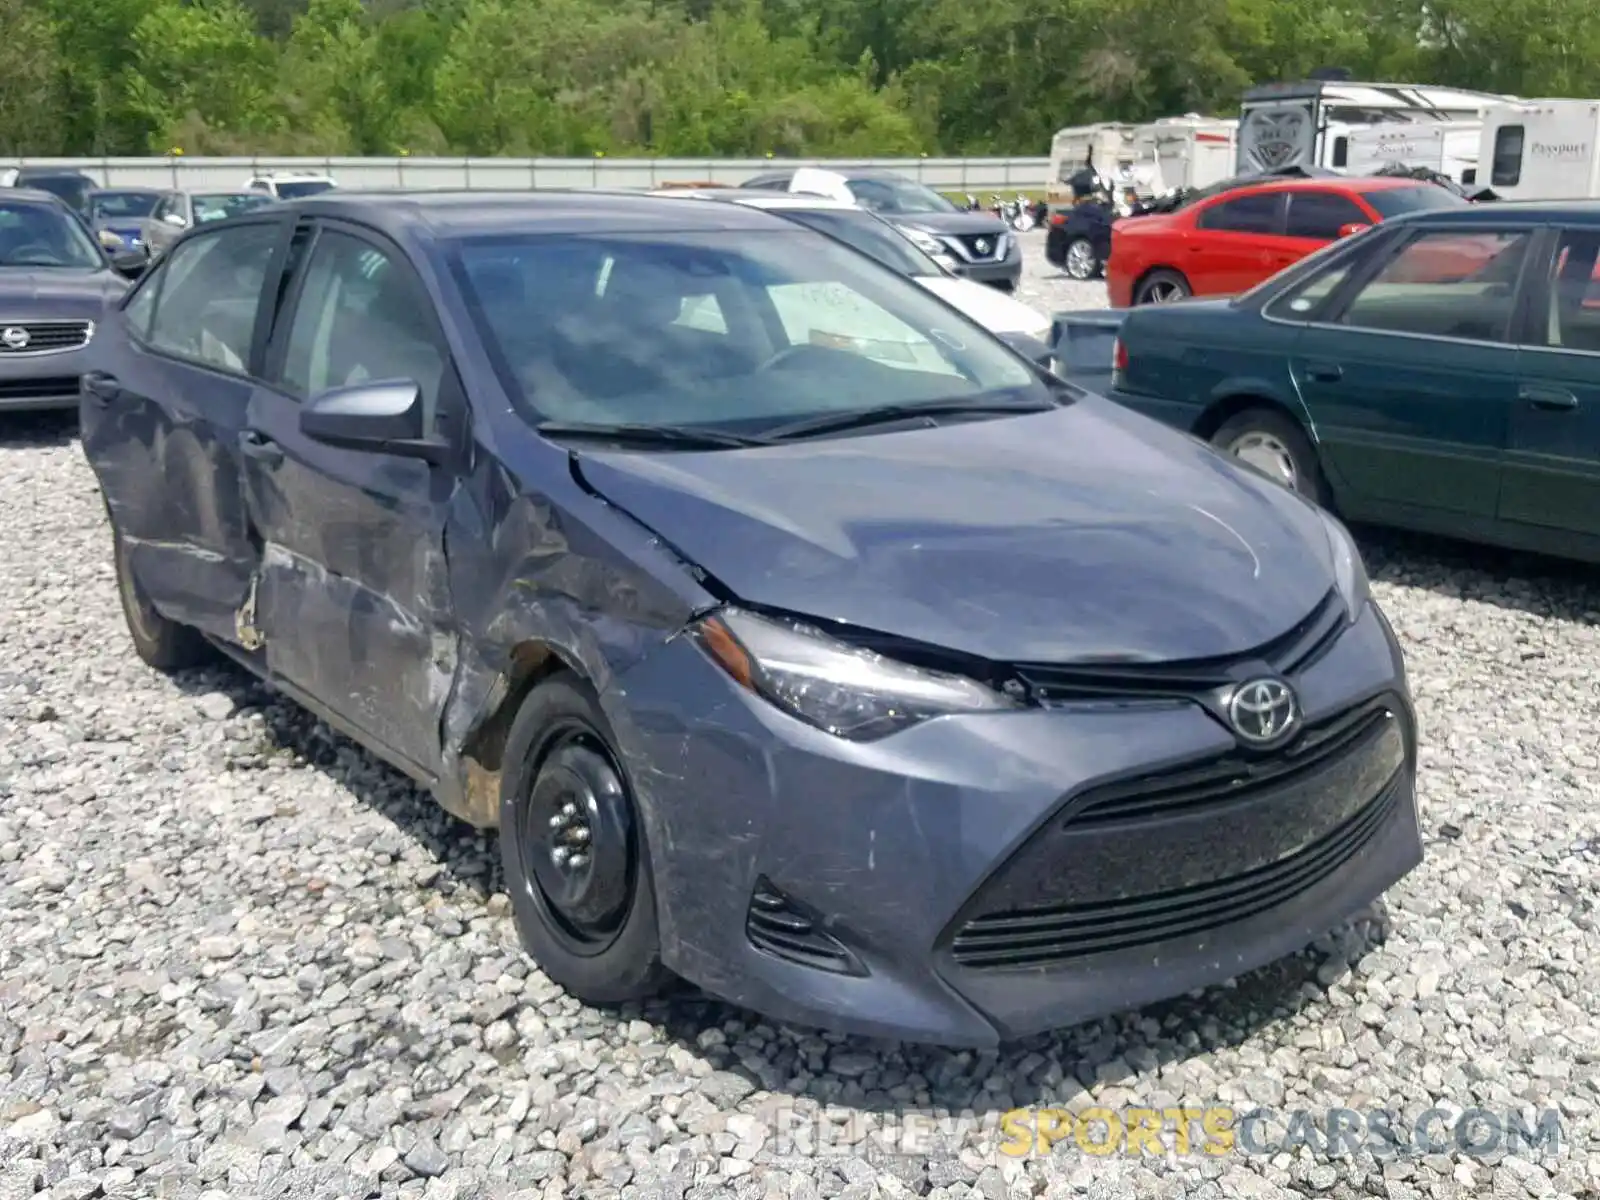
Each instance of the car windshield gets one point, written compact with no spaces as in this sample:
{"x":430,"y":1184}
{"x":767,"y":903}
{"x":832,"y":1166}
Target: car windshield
{"x":864,"y":232}
{"x":226,"y":204}
{"x":116,"y":206}
{"x":302,"y":187}
{"x":42,"y":235}
{"x":1394,"y":202}
{"x":897,"y":196}
{"x":727,"y":331}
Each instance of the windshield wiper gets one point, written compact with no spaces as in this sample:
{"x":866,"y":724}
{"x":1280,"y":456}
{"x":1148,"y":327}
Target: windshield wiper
{"x":685,"y":436}
{"x":861,"y":418}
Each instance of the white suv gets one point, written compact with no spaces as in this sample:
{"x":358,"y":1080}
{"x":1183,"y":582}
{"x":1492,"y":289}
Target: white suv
{"x":289,"y":185}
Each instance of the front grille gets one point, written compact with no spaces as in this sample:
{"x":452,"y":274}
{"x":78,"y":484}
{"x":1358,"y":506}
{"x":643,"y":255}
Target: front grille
{"x":786,"y":929}
{"x":968,"y":243}
{"x":42,"y":337}
{"x":1230,"y":778}
{"x":52,"y":388}
{"x":1043,"y":937}
{"x":1287,"y":655}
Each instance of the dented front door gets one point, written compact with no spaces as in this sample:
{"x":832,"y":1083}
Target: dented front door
{"x":352,"y":603}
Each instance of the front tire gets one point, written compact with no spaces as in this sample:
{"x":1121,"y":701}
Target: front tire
{"x":574,"y":851}
{"x":1162,"y":287}
{"x":160,"y":643}
{"x":1275,"y":446}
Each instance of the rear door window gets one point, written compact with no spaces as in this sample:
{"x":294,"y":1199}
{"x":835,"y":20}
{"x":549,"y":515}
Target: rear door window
{"x":206,"y":309}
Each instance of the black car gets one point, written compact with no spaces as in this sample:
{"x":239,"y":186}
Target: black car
{"x":72,"y":187}
{"x":55,"y":282}
{"x":979,"y":244}
{"x":921,"y":695}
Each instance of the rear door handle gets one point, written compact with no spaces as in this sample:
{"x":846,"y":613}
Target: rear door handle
{"x":1553,"y":399}
{"x":260,"y":447}
{"x":1325,"y":372}
{"x":100,"y":387}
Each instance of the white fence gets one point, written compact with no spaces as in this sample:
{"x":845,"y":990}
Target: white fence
{"x":975,"y":175}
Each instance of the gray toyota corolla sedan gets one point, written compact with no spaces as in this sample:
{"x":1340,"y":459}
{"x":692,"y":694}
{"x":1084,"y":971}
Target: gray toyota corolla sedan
{"x":55,"y":281}
{"x":801,"y":639}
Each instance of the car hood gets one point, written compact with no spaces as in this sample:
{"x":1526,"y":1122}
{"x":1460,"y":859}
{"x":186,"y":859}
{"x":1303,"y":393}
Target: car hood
{"x":38,"y":295}
{"x":989,"y":307}
{"x":1087,"y":532}
{"x":954,"y":222}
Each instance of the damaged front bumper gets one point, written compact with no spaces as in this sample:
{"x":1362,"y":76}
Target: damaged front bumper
{"x":973,"y":879}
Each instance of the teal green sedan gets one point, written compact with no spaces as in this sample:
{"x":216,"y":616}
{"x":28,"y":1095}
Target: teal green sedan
{"x":1439,"y":372}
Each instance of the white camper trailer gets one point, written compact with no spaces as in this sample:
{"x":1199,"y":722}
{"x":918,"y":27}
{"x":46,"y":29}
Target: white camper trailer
{"x":1109,"y":148}
{"x":1308,"y":124}
{"x":1541,"y":150}
{"x":1189,"y":151}
{"x":1448,"y":147}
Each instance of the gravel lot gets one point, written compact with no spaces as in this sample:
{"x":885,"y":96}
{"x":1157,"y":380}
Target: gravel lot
{"x":238,"y":957}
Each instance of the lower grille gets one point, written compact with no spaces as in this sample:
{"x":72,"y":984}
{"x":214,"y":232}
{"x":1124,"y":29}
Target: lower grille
{"x":50,"y":388}
{"x":42,"y":337}
{"x":788,"y":930}
{"x":1052,"y":936}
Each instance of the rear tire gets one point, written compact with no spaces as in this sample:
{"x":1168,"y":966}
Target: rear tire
{"x":1162,"y":286}
{"x":160,"y":643}
{"x":1079,"y":261}
{"x":574,"y":852}
{"x":1275,"y":446}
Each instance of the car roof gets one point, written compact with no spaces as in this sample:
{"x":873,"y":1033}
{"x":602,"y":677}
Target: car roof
{"x":32,"y":196}
{"x":774,"y":200}
{"x":460,"y":213}
{"x":1511,"y":212}
{"x":139,"y":191}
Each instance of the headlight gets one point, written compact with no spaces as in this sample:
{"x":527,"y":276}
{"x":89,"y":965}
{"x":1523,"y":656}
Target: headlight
{"x":1349,"y":572}
{"x":843,"y":690}
{"x":927,"y":243}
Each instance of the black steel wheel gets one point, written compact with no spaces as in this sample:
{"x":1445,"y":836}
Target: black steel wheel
{"x":573,"y":851}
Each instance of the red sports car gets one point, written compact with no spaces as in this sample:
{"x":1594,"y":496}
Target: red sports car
{"x":1231,"y":237}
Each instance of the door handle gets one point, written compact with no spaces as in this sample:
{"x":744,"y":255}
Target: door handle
{"x":1552,"y":399}
{"x":260,"y":447}
{"x":1325,"y":372}
{"x":100,"y":387}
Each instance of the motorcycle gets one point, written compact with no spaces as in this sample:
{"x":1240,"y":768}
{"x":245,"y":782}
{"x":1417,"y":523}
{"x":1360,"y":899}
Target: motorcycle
{"x":1021,"y":214}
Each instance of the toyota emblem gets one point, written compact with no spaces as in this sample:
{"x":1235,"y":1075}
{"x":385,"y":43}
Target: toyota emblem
{"x":14,"y":337}
{"x":1263,"y":711}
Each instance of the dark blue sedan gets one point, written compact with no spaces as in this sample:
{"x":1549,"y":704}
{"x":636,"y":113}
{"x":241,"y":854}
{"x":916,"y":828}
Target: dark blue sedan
{"x":800,"y":638}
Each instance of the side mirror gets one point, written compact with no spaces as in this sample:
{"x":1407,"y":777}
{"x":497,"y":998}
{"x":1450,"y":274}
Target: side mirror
{"x":175,"y":220}
{"x":383,"y":417}
{"x":130,"y":263}
{"x":1353,"y":228}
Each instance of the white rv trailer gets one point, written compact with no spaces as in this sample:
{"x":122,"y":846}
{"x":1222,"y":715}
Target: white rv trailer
{"x":1108,"y":147}
{"x":1448,"y":147}
{"x":1189,"y":151}
{"x":1308,"y":124}
{"x":1541,"y":150}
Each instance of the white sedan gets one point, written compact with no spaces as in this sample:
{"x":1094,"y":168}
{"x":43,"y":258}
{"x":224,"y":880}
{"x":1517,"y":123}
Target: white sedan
{"x":1026,"y":328}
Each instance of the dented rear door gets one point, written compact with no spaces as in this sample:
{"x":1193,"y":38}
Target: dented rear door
{"x":161,"y":416}
{"x":353,"y":603}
